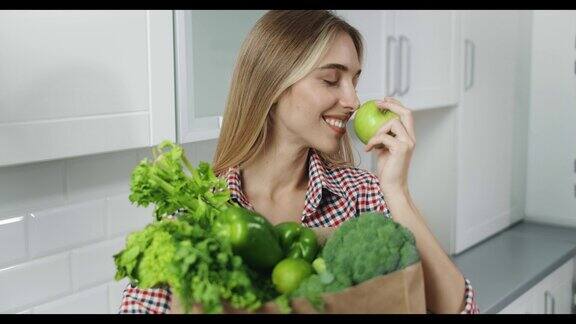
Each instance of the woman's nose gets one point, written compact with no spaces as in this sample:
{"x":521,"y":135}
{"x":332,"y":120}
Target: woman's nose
{"x":350,"y":100}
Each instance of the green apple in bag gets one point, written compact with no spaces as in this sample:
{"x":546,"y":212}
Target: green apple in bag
{"x":369,"y":118}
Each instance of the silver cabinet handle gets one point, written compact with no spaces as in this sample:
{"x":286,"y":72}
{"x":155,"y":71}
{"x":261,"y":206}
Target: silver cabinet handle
{"x":389,"y":41}
{"x":470,"y":52}
{"x":467,"y":64}
{"x":404,"y":39}
{"x":548,"y":295}
{"x":473,"y":60}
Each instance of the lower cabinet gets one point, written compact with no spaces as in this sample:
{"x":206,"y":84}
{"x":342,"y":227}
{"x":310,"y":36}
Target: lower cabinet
{"x":552,"y":295}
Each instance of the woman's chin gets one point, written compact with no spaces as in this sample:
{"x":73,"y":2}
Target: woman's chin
{"x":328,"y":148}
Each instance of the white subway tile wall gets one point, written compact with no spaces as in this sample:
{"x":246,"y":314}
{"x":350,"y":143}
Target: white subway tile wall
{"x":91,"y":301}
{"x":31,"y":185}
{"x":12,"y":239}
{"x":84,"y":223}
{"x":60,"y":224}
{"x":99,"y":176}
{"x":37,"y":281}
{"x":93,"y":265}
{"x":123,"y":217}
{"x":115,"y":291}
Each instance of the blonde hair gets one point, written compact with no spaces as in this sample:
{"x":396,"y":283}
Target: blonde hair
{"x":282,"y":48}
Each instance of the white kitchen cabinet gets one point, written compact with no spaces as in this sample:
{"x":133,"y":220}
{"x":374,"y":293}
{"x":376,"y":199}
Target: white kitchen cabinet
{"x":375,"y":27}
{"x":207,"y":43}
{"x":410,"y":55}
{"x":427,"y":57}
{"x":83,"y":82}
{"x":558,"y":295}
{"x":551,"y":169}
{"x":485,"y":125}
{"x":551,"y":295}
{"x":524,"y":304}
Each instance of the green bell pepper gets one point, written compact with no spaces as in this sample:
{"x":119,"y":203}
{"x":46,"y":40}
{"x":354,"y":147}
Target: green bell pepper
{"x":251,"y":235}
{"x":297,"y":241}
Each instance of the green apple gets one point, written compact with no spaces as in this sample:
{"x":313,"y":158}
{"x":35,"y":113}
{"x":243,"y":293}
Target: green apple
{"x":369,"y":118}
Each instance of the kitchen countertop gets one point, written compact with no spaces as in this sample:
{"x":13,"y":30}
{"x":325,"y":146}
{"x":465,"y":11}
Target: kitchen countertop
{"x":507,"y":265}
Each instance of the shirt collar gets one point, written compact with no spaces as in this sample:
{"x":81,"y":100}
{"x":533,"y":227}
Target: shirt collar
{"x":320,"y":177}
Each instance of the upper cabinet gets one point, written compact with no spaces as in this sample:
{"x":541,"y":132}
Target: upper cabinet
{"x":84,"y":82}
{"x":207,"y":43}
{"x":410,"y":54}
{"x":427,"y":57}
{"x":374,"y":26}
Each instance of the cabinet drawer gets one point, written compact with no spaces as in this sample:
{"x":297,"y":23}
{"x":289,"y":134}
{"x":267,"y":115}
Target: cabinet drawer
{"x":552,"y":295}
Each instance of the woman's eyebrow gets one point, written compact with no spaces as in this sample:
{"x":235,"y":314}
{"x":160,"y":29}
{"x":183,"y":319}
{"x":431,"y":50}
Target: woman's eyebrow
{"x":337,"y":66}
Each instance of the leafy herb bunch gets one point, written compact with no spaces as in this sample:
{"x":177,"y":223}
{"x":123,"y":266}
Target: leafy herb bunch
{"x":178,"y":250}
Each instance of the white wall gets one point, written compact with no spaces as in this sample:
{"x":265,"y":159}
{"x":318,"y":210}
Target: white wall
{"x":520,"y":119}
{"x":551,"y":179}
{"x":61,"y":222}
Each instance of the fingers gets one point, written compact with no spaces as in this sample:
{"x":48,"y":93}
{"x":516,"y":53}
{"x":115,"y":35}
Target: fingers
{"x":382,"y":141}
{"x":399,"y":134}
{"x":404,"y":113}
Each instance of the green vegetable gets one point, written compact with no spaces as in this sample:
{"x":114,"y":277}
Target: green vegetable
{"x":173,"y":185}
{"x":360,"y":249}
{"x":188,"y":260}
{"x":251,"y":235}
{"x":319,"y":266}
{"x":179,"y":250}
{"x":368,"y":246}
{"x":297,"y":241}
{"x":289,"y":273}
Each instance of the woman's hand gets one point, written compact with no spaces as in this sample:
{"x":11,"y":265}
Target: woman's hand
{"x":394,"y":152}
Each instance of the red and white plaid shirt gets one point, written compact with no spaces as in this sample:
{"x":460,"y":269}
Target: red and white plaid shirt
{"x":333,"y":196}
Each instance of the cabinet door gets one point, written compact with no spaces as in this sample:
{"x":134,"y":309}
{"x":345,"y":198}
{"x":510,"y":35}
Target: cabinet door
{"x":522,"y":305}
{"x":84,"y":82}
{"x":207,"y":44}
{"x":485,"y":125}
{"x":551,"y":174}
{"x":559,"y":293}
{"x":428,"y":57}
{"x":375,"y":26}
{"x":551,"y":295}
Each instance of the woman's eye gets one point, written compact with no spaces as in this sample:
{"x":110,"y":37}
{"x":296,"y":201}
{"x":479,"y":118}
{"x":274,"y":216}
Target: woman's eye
{"x":331,"y":83}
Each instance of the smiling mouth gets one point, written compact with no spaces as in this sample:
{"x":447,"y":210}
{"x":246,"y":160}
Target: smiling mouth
{"x":337,"y":125}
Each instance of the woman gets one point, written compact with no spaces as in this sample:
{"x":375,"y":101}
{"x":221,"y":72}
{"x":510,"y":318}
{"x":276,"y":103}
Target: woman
{"x":284,"y":151}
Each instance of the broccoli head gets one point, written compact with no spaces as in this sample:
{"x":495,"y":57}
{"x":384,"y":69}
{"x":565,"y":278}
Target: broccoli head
{"x":369,"y":246}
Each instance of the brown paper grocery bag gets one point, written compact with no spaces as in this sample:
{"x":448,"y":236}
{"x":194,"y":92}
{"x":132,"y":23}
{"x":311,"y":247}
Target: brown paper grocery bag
{"x":400,"y":292}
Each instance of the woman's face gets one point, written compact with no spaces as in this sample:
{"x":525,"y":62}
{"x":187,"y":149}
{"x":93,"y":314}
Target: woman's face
{"x":315,"y":110}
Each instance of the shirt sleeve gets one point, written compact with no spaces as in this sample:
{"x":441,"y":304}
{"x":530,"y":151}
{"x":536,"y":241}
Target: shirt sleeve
{"x":145,"y":301}
{"x":470,"y":307}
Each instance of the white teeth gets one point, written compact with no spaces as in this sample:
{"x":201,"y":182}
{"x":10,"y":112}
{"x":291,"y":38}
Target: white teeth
{"x":335,"y":122}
